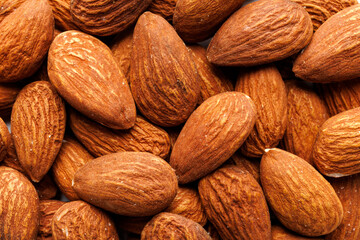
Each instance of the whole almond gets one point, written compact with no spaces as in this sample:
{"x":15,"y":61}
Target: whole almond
{"x":38,"y":126}
{"x":96,"y":86}
{"x":63,"y":18}
{"x":8,"y":93}
{"x":300,"y":197}
{"x":281,"y":233}
{"x":164,"y":8}
{"x":47,"y":210}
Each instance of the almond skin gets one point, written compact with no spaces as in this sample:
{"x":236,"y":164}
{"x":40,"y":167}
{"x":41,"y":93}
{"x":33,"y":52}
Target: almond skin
{"x":38,"y":126}
{"x":250,"y":165}
{"x":96,"y":87}
{"x":11,"y":160}
{"x":47,"y":210}
{"x":163,"y":77}
{"x":8,"y":93}
{"x":63,"y":18}
{"x":5,"y":140}
{"x":164,"y":8}
{"x":261,"y":32}
{"x":213,"y":132}
{"x":300,"y":197}
{"x":46,"y":188}
{"x":127,"y":183}
{"x":280,"y":233}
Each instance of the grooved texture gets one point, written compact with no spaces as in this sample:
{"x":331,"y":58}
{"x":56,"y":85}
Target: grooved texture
{"x":336,"y":151}
{"x":78,"y":220}
{"x":106,"y":17}
{"x":261,"y":32}
{"x":47,"y":210}
{"x":212,"y":134}
{"x":299,"y":196}
{"x":334,"y":51}
{"x":252,"y":166}
{"x":5,"y":140}
{"x":63,"y":18}
{"x":163,"y":77}
{"x":11,"y":160}
{"x":280,"y":233}
{"x":99,"y":140}
{"x":38,"y":126}
{"x":8,"y":93}
{"x":19,"y":206}
{"x":22,"y":52}
{"x":264,"y":85}
{"x":164,"y":8}
{"x":127,"y":183}
{"x":172,"y":226}
{"x":85,"y":73}
{"x":235,"y":204}
{"x":122,"y":49}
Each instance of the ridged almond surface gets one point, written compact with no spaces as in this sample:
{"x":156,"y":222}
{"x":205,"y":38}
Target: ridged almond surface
{"x":244,"y":164}
{"x":71,"y":157}
{"x":26,"y":32}
{"x":212,"y":134}
{"x":127,"y":183}
{"x":85,"y":73}
{"x":337,"y":146}
{"x":8,"y":93}
{"x":334,"y":50}
{"x":5,"y":140}
{"x":79,"y":220}
{"x":19,"y":206}
{"x":261,"y":32}
{"x":38,"y":126}
{"x":306,"y":113}
{"x":173,"y":226}
{"x":196,"y":21}
{"x":11,"y":160}
{"x":281,"y":233}
{"x":63,"y":18}
{"x":264,"y":85}
{"x":300,"y":197}
{"x":47,"y":210}
{"x":164,"y":8}
{"x":99,"y":140}
{"x":121,"y":48}
{"x":163,"y":77}
{"x":106,"y":17}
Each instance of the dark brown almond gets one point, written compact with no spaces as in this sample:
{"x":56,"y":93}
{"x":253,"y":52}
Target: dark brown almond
{"x":63,"y":18}
{"x":5,"y":140}
{"x":8,"y":93}
{"x":121,"y":48}
{"x":46,"y":188}
{"x":132,"y":224}
{"x":164,"y":8}
{"x":47,"y":210}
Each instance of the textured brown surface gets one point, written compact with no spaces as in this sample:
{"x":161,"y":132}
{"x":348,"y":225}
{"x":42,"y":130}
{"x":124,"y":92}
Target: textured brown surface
{"x":121,"y":48}
{"x":46,"y":188}
{"x":19,"y":206}
{"x":11,"y":160}
{"x":264,"y":85}
{"x":63,"y":18}
{"x":5,"y":140}
{"x":78,"y":220}
{"x":252,"y":166}
{"x":261,"y":32}
{"x":196,"y":21}
{"x":38,"y":126}
{"x":334,"y":51}
{"x":99,"y":140}
{"x":164,"y":8}
{"x":106,"y":17}
{"x":306,"y":113}
{"x":132,"y":224}
{"x":163,"y":77}
{"x":84,"y":72}
{"x":281,"y":233}
{"x":213,"y":132}
{"x":173,"y":226}
{"x":71,"y":157}
{"x":300,"y":197}
{"x":47,"y":210}
{"x":21,"y":52}
{"x":235,"y":204}
{"x":337,"y":146}
{"x":8,"y":93}
{"x":127,"y":183}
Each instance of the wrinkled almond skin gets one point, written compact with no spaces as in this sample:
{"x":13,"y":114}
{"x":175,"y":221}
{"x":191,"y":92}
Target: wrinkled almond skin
{"x":264,"y":85}
{"x":261,"y":32}
{"x":172,"y":226}
{"x":46,"y":188}
{"x":163,"y":77}
{"x":230,"y":196}
{"x":11,"y":160}
{"x":196,"y":21}
{"x":212,"y":134}
{"x":99,"y":140}
{"x":300,"y":197}
{"x":80,"y":220}
{"x":334,"y":50}
{"x":47,"y":210}
{"x":19,"y":206}
{"x":127,"y":183}
{"x":22,"y":52}
{"x":281,"y":233}
{"x":8,"y":93}
{"x":38,"y":125}
{"x":244,"y":164}
{"x":164,"y":8}
{"x":337,"y":146}
{"x":63,"y":18}
{"x":96,"y":86}
{"x":306,"y":113}
{"x":121,"y":48}
{"x":5,"y":140}
{"x":106,"y":17}
{"x":71,"y":157}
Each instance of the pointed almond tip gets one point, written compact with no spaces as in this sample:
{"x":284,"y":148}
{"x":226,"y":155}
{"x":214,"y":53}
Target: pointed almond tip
{"x":268,"y":149}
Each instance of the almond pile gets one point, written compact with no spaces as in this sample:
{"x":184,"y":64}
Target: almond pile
{"x":179,"y":119}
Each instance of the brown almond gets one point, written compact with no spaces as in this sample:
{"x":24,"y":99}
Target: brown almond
{"x":11,"y":160}
{"x":46,"y":188}
{"x":132,"y":224}
{"x":63,"y":18}
{"x":281,"y":233}
{"x":8,"y":93}
{"x":121,"y":48}
{"x":164,"y":8}
{"x":245,"y":164}
{"x":47,"y":210}
{"x":5,"y":140}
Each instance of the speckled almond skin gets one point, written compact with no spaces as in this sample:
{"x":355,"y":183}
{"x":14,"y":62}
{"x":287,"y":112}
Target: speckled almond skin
{"x":22,"y":52}
{"x":79,"y":220}
{"x":334,"y":50}
{"x":163,"y":77}
{"x":19,"y":206}
{"x":63,"y":18}
{"x":213,"y":132}
{"x":164,"y":8}
{"x":337,"y":146}
{"x":173,"y":226}
{"x":127,"y":183}
{"x":281,"y":233}
{"x":5,"y":140}
{"x":47,"y":210}
{"x":96,"y":86}
{"x":8,"y":93}
{"x":261,"y":32}
{"x":300,"y":197}
{"x":38,"y":125}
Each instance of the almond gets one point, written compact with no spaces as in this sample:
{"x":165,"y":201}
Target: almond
{"x":280,"y":233}
{"x":46,"y":188}
{"x":244,"y":164}
{"x":63,"y":18}
{"x":8,"y":93}
{"x":164,"y":8}
{"x":11,"y":160}
{"x":47,"y":210}
{"x":132,"y":224}
{"x":121,"y":48}
{"x":5,"y":140}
